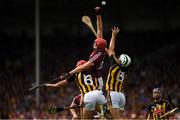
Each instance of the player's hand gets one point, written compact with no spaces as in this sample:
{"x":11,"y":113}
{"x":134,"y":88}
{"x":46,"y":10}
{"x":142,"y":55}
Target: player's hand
{"x":52,"y":110}
{"x":65,"y":76}
{"x":47,"y":85}
{"x":115,"y":31}
{"x":98,"y":10}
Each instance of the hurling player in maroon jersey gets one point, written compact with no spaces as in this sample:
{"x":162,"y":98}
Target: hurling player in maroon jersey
{"x":97,"y":56}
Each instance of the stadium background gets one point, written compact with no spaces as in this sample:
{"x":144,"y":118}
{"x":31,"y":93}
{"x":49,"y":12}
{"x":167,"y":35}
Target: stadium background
{"x":149,"y":34}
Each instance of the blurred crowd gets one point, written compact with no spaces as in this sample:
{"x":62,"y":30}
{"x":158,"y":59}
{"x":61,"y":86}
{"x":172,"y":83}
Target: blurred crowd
{"x":154,"y":65}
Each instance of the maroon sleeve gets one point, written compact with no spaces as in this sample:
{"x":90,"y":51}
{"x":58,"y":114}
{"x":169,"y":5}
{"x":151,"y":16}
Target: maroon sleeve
{"x":95,"y":58}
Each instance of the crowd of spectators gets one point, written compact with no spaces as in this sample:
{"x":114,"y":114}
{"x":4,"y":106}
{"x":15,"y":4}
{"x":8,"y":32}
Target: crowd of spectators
{"x":153,"y":65}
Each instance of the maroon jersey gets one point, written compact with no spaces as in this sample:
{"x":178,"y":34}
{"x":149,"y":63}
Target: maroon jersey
{"x":77,"y":99}
{"x":97,"y":57}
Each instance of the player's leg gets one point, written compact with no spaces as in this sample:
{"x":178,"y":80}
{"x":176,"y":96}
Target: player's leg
{"x":100,"y":101}
{"x":114,"y":113}
{"x":89,"y":105}
{"x":122,"y":104}
{"x":87,"y":114}
{"x":92,"y":99}
{"x":116,"y":104}
{"x":73,"y":111}
{"x":76,"y":102}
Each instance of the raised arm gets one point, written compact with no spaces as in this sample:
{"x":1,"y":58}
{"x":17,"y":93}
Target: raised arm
{"x":58,"y":84}
{"x":110,"y":51}
{"x":115,"y":31}
{"x":99,"y":23}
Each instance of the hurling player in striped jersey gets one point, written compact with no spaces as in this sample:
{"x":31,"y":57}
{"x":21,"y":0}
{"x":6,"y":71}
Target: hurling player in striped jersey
{"x":89,"y":87}
{"x":116,"y":77}
{"x":159,"y":107}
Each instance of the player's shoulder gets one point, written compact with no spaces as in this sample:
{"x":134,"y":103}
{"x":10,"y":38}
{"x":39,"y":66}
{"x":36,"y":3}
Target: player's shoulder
{"x":99,"y":52}
{"x":124,"y":69}
{"x":154,"y":102}
{"x":95,"y":52}
{"x":164,"y":101}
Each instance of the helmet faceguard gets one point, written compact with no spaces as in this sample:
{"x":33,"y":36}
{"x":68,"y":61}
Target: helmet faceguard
{"x":125,"y":60}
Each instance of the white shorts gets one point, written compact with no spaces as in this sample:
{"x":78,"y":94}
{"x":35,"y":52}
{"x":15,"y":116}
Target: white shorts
{"x":118,"y":100}
{"x":93,"y":98}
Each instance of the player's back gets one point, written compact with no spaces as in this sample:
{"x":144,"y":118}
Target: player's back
{"x":116,"y":76}
{"x":87,"y":82}
{"x":97,"y":58}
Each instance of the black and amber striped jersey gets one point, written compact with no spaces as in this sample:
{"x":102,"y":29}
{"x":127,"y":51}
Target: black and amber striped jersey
{"x":116,"y":76}
{"x":159,"y":108}
{"x":86,"y":82}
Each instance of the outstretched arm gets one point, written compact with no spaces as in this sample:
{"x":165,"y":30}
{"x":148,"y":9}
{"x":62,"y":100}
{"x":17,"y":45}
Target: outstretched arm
{"x":99,"y":23}
{"x":83,"y":67}
{"x":99,"y":27}
{"x":110,"y":51}
{"x":115,"y":31}
{"x":87,"y":65}
{"x":58,"y":84}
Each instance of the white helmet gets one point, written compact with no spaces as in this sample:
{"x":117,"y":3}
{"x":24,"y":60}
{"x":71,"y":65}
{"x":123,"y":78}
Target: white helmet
{"x":125,"y":60}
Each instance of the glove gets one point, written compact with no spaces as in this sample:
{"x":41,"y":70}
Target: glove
{"x":52,"y":110}
{"x":65,"y":76}
{"x":98,"y":10}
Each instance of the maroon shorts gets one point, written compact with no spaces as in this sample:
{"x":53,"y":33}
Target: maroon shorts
{"x":77,"y":99}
